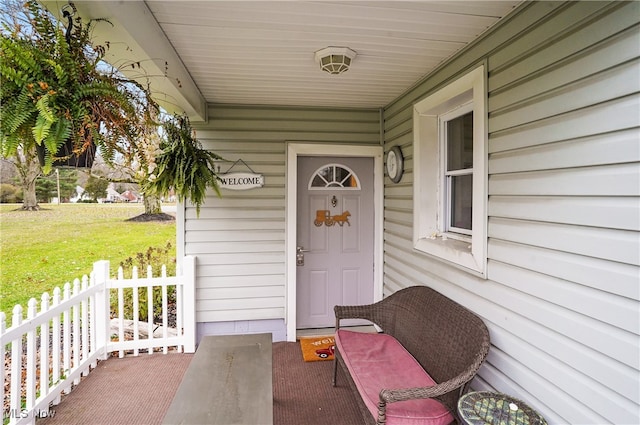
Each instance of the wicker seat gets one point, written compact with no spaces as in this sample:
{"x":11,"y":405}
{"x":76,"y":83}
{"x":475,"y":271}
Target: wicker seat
{"x":449,"y":341}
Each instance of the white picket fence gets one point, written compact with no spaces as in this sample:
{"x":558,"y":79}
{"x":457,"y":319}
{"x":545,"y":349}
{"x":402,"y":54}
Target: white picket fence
{"x":62,"y":340}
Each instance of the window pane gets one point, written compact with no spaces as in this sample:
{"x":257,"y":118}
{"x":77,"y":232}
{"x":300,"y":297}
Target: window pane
{"x":318,"y":182}
{"x":322,"y":177}
{"x":341,"y":175}
{"x":351,"y":182}
{"x":460,"y":142}
{"x":461,"y":201}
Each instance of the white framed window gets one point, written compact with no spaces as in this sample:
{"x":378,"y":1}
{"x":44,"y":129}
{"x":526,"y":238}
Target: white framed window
{"x":450,"y":173}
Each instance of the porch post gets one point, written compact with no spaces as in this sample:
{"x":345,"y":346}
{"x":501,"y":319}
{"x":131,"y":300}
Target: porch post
{"x":189,"y":303}
{"x":101,"y":275}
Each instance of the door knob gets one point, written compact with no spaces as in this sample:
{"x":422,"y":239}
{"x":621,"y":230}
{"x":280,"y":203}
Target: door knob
{"x":300,"y":255}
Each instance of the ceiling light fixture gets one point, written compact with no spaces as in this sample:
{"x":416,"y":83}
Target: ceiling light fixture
{"x":335,"y":60}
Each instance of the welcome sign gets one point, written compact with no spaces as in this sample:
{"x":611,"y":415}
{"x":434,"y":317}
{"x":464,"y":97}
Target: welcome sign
{"x":241,"y":181}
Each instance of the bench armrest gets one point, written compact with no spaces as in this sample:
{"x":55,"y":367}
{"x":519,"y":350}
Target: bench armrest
{"x":367,"y":312}
{"x":391,"y":396}
{"x":353,"y":311}
{"x":403,"y":394}
{"x":454,"y":384}
{"x":381,"y":313}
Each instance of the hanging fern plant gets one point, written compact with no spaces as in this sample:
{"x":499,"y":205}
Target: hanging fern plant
{"x":55,"y":90}
{"x":183,"y":166}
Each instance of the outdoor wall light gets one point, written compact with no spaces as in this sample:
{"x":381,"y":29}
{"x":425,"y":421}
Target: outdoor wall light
{"x":335,"y":60}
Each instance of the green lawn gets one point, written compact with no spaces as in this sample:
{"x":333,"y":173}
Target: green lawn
{"x":44,"y":249}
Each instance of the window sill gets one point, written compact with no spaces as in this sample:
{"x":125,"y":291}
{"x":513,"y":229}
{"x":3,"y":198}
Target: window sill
{"x":454,"y":251}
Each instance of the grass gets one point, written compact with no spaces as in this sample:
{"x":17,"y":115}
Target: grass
{"x":44,"y":249}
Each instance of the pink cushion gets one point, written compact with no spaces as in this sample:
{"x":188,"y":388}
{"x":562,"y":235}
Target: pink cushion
{"x":379,"y":361}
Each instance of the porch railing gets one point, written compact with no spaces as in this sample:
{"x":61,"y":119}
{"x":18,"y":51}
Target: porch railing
{"x":63,"y":338}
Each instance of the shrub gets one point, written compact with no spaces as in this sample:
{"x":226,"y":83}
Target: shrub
{"x":10,"y":194}
{"x":155,"y":257}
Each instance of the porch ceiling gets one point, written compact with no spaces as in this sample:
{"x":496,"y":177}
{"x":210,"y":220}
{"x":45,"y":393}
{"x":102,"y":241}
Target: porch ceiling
{"x":262,"y":52}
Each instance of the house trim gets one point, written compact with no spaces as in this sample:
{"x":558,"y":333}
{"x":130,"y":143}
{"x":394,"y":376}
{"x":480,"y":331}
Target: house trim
{"x":295,"y":149}
{"x":181,"y":219}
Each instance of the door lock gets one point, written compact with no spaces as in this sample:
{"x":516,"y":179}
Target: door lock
{"x":300,"y":255}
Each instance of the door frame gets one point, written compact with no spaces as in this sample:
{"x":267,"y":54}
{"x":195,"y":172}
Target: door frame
{"x":295,"y":149}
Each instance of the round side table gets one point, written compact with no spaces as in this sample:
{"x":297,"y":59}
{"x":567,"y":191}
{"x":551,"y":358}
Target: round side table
{"x":489,"y":408}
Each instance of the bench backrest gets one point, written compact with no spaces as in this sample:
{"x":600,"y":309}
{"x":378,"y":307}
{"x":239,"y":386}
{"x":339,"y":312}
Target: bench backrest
{"x":446,"y":338}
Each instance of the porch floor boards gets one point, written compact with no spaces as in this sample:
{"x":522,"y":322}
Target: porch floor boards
{"x":139,"y":390}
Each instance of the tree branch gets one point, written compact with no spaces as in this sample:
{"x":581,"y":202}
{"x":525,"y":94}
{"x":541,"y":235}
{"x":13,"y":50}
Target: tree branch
{"x":114,"y":180}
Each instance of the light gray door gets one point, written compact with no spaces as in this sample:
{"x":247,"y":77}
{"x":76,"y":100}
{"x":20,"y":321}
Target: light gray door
{"x":335,"y":237}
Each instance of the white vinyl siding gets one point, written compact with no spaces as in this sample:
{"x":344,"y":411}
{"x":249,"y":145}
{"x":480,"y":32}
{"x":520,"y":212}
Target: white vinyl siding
{"x":239,"y":239}
{"x":562,"y":299}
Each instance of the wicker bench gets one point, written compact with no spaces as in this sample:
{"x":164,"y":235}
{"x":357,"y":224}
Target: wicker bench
{"x":417,"y":369}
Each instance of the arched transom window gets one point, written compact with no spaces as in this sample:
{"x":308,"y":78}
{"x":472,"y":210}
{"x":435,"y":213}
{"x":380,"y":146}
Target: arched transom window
{"x":334,"y":176}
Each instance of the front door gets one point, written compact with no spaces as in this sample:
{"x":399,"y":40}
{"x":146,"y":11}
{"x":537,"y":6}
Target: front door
{"x":335,"y":231}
